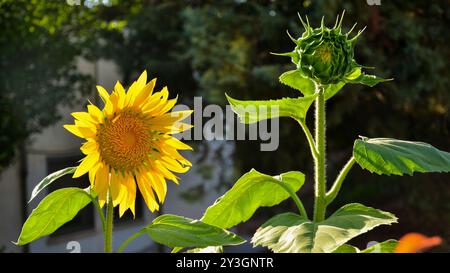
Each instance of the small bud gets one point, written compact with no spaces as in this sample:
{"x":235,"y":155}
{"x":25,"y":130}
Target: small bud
{"x":324,"y":54}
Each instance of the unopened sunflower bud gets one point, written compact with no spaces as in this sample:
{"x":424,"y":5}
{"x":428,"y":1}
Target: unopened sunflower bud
{"x":324,"y":54}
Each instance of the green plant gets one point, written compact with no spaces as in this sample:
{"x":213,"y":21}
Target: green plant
{"x":325,"y":63}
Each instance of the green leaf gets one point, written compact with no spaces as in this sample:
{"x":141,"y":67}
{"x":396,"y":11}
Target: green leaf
{"x":251,"y":191}
{"x":255,"y":111}
{"x":178,"y":231}
{"x":398,"y":157}
{"x":50,"y":179}
{"x":383,"y":247}
{"x":332,"y":89}
{"x":370,"y":80}
{"x":347,"y":249}
{"x":296,"y":80}
{"x":290,"y":232}
{"x":56,"y":209}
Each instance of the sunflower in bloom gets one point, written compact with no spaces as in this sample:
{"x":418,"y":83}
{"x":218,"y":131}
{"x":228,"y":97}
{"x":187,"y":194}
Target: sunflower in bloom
{"x":129,"y":142}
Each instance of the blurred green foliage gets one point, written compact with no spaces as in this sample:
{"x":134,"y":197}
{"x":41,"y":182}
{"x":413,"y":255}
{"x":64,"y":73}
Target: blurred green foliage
{"x":210,"y":47}
{"x":39,"y":44}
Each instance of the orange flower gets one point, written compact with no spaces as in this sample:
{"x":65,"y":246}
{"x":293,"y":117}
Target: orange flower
{"x":416,"y":242}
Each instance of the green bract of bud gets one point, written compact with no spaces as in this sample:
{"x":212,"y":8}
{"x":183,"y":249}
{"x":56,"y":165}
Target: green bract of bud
{"x":324,"y":54}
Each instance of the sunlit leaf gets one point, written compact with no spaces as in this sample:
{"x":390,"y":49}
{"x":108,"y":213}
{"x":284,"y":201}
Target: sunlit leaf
{"x":56,"y":209}
{"x":251,"y":191}
{"x":178,"y":231}
{"x":253,"y":111}
{"x":398,"y":157}
{"x":296,"y":80}
{"x":290,"y":232}
{"x":50,"y":179}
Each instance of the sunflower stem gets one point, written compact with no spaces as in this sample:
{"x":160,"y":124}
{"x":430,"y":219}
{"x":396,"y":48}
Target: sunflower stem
{"x":109,"y":224}
{"x":100,"y":213}
{"x":319,"y":162}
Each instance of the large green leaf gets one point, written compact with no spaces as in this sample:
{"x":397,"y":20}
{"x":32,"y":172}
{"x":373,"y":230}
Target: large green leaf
{"x":251,"y":191}
{"x":178,"y":231}
{"x":296,"y":80}
{"x":290,"y":232}
{"x":398,"y":157}
{"x":56,"y":209}
{"x":50,"y":179}
{"x":255,"y":111}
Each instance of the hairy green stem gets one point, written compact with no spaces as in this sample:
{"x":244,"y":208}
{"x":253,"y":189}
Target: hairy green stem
{"x":309,"y":137}
{"x":100,"y":213}
{"x":294,"y":196}
{"x":129,"y":240}
{"x":333,"y":192}
{"x":319,"y":162}
{"x":109,"y":224}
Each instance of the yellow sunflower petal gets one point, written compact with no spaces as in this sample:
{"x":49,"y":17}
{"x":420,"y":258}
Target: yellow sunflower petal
{"x":83,"y":116}
{"x":130,"y":196}
{"x":117,"y":188}
{"x":144,"y":94}
{"x":177,"y":144}
{"x":166,"y":107}
{"x":120,"y":91}
{"x":86,"y":164}
{"x":142,"y":80}
{"x":104,"y":95}
{"x":93,"y":172}
{"x":160,"y":168}
{"x":89,"y":147}
{"x":157,"y":101}
{"x":101,"y":184}
{"x":173,"y":165}
{"x":147,"y":193}
{"x":159,"y":185}
{"x":95,"y":113}
{"x":74,"y":130}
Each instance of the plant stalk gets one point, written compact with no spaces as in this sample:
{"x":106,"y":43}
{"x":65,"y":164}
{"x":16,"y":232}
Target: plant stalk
{"x":309,"y":137}
{"x":109,"y":224}
{"x":294,"y":196}
{"x":129,"y":240}
{"x":319,"y":161}
{"x":333,"y":192}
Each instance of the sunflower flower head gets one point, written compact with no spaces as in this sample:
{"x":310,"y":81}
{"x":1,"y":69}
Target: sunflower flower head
{"x":129,"y":142}
{"x":325,"y":55}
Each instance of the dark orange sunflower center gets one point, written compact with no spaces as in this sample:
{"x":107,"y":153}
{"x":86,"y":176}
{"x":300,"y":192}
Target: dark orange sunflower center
{"x":125,"y":141}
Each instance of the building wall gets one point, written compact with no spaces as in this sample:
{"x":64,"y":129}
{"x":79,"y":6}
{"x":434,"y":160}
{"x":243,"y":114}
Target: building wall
{"x":10,"y":209}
